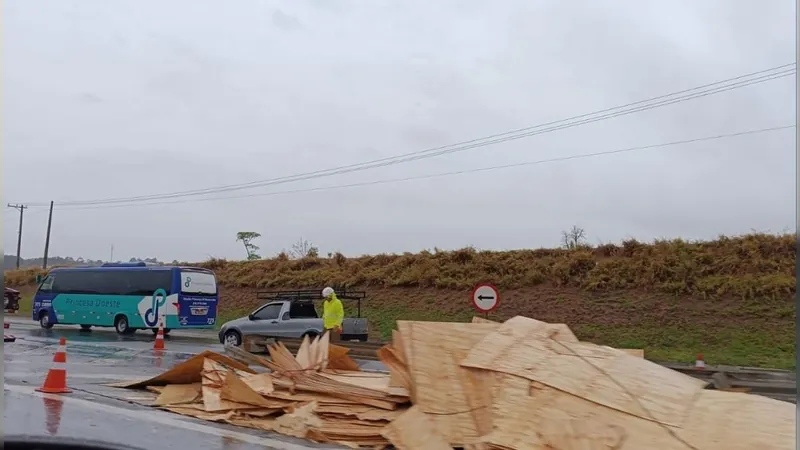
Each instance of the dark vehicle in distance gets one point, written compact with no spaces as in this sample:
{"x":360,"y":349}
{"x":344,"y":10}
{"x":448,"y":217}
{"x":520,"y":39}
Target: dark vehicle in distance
{"x":11,"y":299}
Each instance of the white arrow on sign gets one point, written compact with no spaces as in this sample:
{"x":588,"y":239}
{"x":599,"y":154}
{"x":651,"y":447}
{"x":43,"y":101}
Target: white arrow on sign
{"x":485,"y":297}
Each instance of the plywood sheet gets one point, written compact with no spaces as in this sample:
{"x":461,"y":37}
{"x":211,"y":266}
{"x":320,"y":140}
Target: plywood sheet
{"x":260,"y":382}
{"x":398,"y":371}
{"x":298,"y":421}
{"x":369,"y":380}
{"x":264,"y":424}
{"x":398,"y":346}
{"x":478,"y":319}
{"x":176,"y":394}
{"x":413,"y":431}
{"x":338,"y":359}
{"x":637,"y":352}
{"x":309,"y":397}
{"x":735,"y":421}
{"x":549,"y":418}
{"x":217,"y":397}
{"x":441,"y":388}
{"x":303,"y":356}
{"x":186,"y":372}
{"x":321,"y":354}
{"x":236,"y":390}
{"x":599,"y":374}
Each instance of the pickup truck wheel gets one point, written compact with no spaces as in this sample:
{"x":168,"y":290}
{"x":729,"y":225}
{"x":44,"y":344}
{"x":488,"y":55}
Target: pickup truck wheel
{"x":232,"y":338}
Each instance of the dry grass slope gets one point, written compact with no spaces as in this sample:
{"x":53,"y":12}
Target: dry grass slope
{"x":747,"y":267}
{"x":752,"y":266}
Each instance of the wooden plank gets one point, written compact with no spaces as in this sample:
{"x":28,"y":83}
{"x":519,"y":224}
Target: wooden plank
{"x":599,"y":374}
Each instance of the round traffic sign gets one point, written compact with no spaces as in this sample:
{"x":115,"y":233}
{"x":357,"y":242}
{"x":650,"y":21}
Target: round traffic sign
{"x":485,"y":298}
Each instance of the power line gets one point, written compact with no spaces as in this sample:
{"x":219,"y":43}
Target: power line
{"x":438,"y":175}
{"x":419,"y":155}
{"x":643,"y":105}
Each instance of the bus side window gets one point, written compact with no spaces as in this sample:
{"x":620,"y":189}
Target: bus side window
{"x":47,"y":283}
{"x":103,"y":282}
{"x":145,"y":282}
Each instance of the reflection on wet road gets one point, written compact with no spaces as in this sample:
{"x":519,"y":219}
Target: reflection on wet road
{"x":96,"y":411}
{"x":105,"y":335}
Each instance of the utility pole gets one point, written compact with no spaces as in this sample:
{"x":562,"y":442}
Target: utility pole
{"x":111,"y":257}
{"x":47,"y":239}
{"x":21,"y":209}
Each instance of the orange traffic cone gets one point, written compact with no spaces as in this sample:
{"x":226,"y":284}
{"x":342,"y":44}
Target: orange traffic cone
{"x":56,"y":381}
{"x":159,"y":343}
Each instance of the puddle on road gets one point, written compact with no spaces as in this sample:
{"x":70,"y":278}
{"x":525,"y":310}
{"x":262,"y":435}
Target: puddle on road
{"x":142,"y":358}
{"x":96,"y":354}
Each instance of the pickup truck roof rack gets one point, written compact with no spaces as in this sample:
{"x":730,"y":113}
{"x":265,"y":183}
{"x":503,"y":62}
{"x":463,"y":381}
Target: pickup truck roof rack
{"x":309,"y":295}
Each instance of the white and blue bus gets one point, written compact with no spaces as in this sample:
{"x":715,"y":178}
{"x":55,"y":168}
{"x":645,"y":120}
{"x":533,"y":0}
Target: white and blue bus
{"x":128,"y":297}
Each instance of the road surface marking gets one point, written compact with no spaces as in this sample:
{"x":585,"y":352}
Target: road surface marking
{"x":164,"y":418}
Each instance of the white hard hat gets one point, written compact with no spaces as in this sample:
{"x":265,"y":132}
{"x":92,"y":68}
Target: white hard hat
{"x":327,"y":292}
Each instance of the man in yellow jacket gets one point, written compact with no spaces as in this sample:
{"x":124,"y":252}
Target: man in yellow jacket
{"x":332,"y":313}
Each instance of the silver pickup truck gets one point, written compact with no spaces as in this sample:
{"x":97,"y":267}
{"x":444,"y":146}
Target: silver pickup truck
{"x":291,"y":314}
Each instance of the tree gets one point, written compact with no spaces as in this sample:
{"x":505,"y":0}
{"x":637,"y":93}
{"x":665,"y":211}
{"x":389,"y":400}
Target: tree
{"x":574,"y":238}
{"x":247,"y":238}
{"x":303,"y":248}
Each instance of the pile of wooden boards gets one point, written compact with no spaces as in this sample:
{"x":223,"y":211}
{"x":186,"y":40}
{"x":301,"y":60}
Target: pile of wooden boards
{"x":320,"y":394}
{"x":522,"y":384}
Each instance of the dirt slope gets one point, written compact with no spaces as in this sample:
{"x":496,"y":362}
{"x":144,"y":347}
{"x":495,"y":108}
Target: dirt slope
{"x":731,"y":299}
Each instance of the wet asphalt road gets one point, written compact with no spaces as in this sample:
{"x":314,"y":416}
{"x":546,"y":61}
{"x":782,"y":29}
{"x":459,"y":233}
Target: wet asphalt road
{"x":95,"y":411}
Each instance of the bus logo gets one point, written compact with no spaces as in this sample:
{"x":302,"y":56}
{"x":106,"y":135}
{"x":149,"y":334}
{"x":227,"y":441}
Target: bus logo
{"x":159,"y":300}
{"x":188,"y":282}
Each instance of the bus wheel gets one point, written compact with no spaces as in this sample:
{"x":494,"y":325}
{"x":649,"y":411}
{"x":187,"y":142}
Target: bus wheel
{"x":44,"y":320}
{"x":86,"y":328}
{"x":155,"y":330}
{"x":122,"y":326}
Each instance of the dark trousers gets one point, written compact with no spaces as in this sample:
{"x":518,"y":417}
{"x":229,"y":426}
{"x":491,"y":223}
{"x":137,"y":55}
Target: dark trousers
{"x":334,"y":335}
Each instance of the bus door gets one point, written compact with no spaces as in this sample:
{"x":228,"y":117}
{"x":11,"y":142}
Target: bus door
{"x":197,"y":304}
{"x":43,"y":299}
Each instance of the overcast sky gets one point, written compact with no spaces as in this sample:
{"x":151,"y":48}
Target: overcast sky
{"x":129,"y":98}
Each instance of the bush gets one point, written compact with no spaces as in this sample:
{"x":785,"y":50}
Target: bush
{"x":749,"y":266}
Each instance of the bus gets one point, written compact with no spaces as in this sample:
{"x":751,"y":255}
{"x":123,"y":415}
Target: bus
{"x":128,"y":297}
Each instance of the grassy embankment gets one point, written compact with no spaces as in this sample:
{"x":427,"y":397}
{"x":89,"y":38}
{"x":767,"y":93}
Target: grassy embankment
{"x":732,"y":299}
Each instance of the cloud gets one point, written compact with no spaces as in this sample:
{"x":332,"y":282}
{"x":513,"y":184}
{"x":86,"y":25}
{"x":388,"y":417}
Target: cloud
{"x":112,"y":100}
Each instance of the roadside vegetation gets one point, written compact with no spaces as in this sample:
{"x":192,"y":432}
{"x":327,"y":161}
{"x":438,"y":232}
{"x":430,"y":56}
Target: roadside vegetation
{"x":732,"y":299}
